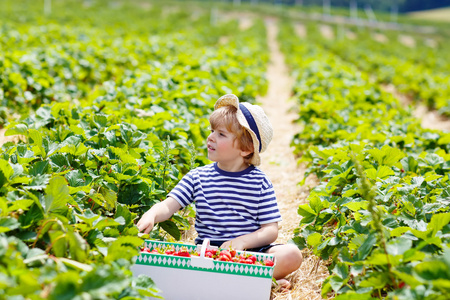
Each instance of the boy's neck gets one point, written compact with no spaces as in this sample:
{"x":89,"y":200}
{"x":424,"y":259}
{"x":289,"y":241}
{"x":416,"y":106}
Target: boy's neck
{"x":232,"y":167}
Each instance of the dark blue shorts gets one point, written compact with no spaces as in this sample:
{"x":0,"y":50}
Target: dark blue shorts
{"x":262,"y":249}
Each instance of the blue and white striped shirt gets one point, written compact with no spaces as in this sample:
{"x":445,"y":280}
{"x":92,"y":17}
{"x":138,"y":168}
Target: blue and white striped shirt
{"x":228,"y":204}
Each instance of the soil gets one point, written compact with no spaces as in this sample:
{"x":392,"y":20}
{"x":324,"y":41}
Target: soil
{"x":327,"y":31}
{"x":407,"y":40}
{"x":4,"y":139}
{"x":280,"y":165}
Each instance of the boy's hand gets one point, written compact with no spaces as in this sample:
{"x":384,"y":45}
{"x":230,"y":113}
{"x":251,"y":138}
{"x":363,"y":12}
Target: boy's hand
{"x":158,"y":213}
{"x":146,"y":223}
{"x":267,"y":234}
{"x":236,"y":244}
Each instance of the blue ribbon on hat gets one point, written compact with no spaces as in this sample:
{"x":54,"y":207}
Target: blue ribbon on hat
{"x":251,"y":122}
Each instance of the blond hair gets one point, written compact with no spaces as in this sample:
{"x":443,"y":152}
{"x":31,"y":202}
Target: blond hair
{"x":226,"y":116}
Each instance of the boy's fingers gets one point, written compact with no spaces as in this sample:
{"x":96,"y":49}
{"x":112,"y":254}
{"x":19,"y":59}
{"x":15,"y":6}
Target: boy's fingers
{"x":148,"y":227}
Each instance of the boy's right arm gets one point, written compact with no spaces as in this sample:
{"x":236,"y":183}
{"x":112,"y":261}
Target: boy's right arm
{"x":158,"y":213}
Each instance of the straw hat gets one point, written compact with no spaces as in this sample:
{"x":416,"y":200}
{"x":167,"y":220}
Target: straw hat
{"x":254,"y":120}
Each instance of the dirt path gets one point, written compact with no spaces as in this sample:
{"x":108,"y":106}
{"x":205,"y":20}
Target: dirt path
{"x":4,"y":139}
{"x":279,"y":163}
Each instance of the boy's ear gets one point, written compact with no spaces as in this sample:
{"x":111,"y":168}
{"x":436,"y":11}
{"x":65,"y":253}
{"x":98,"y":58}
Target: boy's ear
{"x":245,"y":153}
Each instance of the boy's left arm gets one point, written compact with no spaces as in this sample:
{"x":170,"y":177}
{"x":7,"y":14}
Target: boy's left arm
{"x":267,"y":234}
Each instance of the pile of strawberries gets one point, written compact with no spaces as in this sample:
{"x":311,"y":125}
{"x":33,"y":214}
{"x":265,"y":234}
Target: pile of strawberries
{"x":229,"y":255}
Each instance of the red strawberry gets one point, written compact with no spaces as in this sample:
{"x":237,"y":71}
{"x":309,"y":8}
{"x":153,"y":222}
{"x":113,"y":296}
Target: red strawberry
{"x":225,"y":253}
{"x":249,"y":261}
{"x":233,"y":252}
{"x":223,"y":258}
{"x":268,"y":262}
{"x":183,"y":252}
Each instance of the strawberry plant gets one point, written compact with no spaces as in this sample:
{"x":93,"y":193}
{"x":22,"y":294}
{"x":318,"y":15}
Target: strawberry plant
{"x":110,"y":120}
{"x":381,"y":208}
{"x":420,"y":72}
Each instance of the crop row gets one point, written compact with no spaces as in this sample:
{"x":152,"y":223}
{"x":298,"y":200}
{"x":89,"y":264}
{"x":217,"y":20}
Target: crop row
{"x":421,"y":72}
{"x":380,"y":213}
{"x":111,"y":116}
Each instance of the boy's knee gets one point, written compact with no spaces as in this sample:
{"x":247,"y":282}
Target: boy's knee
{"x":294,"y":255}
{"x":290,"y":254}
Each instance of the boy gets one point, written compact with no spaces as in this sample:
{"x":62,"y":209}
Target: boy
{"x":235,"y":201}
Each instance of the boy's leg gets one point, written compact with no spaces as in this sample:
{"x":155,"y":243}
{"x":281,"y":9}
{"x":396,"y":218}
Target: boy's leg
{"x":288,"y":259}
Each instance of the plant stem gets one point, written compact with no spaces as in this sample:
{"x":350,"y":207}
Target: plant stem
{"x":368,"y":193}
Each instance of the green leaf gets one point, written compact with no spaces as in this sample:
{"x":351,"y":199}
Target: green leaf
{"x":104,"y":222}
{"x":39,"y":168}
{"x":336,"y":282}
{"x":350,"y":295}
{"x":19,"y":129}
{"x":59,"y":160}
{"x":376,"y":280}
{"x":365,"y":249}
{"x":6,"y":170}
{"x":124,"y":247}
{"x":78,"y":247}
{"x":433,"y":159}
{"x":382,"y":172}
{"x":306,"y":211}
{"x":410,"y":164}
{"x":8,"y":224}
{"x":314,"y":239}
{"x":398,"y":246}
{"x":57,"y":194}
{"x":357,"y":205}
{"x":399,"y":231}
{"x":88,"y":217}
{"x":75,"y":178}
{"x":341,"y":270}
{"x":437,"y":222}
{"x":316,"y":204}
{"x":58,"y":242}
{"x":109,"y":196}
{"x":39,"y":182}
{"x":76,"y":264}
{"x":391,"y":155}
{"x":171,"y":228}
{"x":3,"y":179}
{"x":387,"y":156}
{"x":36,"y":136}
{"x":146,"y":286}
{"x":432,"y":270}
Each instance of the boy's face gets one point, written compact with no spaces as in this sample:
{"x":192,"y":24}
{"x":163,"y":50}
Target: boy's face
{"x":222,"y":146}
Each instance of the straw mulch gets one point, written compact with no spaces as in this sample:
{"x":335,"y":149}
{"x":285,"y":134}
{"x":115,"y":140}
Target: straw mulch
{"x":280,"y":165}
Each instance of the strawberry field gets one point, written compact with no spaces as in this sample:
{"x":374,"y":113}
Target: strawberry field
{"x":108,"y":103}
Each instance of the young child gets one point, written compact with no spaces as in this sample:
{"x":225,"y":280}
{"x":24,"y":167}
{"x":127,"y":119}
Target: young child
{"x":235,"y":201}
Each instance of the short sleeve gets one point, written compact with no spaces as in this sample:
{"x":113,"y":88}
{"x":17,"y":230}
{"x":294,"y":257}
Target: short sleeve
{"x":183,"y":192}
{"x":268,"y":211}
